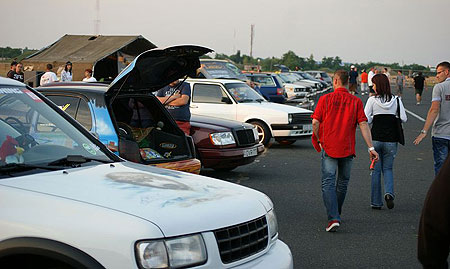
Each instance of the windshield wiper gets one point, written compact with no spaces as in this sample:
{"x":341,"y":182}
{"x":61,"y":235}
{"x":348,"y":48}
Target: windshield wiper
{"x":260,"y":100}
{"x":75,"y":161}
{"x":21,"y":167}
{"x":246,"y":100}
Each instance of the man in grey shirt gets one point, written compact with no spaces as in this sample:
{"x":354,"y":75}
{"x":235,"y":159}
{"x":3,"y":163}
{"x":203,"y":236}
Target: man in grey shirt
{"x":439,"y":114}
{"x":400,"y":82}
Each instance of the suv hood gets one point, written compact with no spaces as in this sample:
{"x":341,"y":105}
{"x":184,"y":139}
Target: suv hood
{"x":178,"y":203}
{"x":156,"y":68}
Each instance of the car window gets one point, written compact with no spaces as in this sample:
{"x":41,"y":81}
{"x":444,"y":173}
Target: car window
{"x":76,"y":107}
{"x":205,"y":93}
{"x":264,"y":80}
{"x":84,"y":114}
{"x":68,"y":104}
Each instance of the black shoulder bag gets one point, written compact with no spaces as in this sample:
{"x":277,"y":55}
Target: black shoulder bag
{"x":401,"y":135}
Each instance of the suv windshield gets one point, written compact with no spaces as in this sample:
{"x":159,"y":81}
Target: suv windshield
{"x":288,"y":78}
{"x":242,"y":93}
{"x":32,"y":133}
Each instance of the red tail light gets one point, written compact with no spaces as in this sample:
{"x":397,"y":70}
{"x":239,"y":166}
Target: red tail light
{"x":280,"y":91}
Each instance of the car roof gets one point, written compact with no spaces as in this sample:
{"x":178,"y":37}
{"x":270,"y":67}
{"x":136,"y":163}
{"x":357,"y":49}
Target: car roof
{"x":10,"y":82}
{"x":80,"y":86}
{"x":215,"y":80}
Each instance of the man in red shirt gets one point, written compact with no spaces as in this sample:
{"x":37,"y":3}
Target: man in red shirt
{"x":364,"y":81}
{"x":334,"y":125}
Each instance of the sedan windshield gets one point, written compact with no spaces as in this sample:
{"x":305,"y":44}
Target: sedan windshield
{"x":289,"y":78}
{"x":32,"y":133}
{"x":242,"y":93}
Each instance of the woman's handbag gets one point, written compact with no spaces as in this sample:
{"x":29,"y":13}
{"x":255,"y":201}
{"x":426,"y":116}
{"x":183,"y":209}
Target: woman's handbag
{"x":401,"y":135}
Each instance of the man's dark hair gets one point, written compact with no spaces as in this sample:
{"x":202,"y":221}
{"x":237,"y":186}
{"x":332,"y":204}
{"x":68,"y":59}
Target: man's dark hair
{"x":13,"y":63}
{"x":400,"y":71}
{"x":385,"y":69}
{"x":383,"y":88}
{"x":445,"y":65}
{"x":420,"y":73}
{"x":342,"y":75}
{"x":49,"y":66}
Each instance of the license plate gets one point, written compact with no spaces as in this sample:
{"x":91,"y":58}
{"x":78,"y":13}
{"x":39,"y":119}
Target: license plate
{"x":307,"y":127}
{"x":250,"y":152}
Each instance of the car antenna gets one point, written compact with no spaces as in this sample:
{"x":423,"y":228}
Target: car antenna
{"x":120,"y":88}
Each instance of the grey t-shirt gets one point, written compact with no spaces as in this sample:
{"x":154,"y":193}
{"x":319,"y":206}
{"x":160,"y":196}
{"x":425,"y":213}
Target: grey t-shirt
{"x":400,"y":79}
{"x":441,"y":93}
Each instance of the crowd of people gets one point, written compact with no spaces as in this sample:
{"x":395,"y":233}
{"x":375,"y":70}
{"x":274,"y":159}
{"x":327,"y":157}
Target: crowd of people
{"x":334,"y":125}
{"x":16,"y":73}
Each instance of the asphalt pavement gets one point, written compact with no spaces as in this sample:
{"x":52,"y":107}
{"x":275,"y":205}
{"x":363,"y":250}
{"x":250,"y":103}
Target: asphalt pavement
{"x":290,"y":176}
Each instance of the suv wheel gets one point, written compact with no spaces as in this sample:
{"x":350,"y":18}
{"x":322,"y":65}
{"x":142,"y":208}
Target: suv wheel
{"x":263,"y":132}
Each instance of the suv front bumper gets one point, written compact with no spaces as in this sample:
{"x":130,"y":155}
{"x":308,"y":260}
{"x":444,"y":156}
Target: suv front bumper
{"x":291,"y":131}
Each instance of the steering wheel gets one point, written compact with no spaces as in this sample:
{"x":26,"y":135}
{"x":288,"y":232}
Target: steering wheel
{"x":26,"y":141}
{"x":125,"y":131}
{"x":21,"y":127}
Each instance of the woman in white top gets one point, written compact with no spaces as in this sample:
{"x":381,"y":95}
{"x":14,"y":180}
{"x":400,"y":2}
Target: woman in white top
{"x":66,"y":74}
{"x":381,"y":111}
{"x":88,"y":76}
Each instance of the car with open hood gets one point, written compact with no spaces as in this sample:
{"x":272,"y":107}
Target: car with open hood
{"x":127,"y":117}
{"x":235,"y":100}
{"x":69,"y":202}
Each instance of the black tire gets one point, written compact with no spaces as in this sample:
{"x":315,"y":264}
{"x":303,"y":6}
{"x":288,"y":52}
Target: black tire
{"x":225,"y":169}
{"x":263,"y":132}
{"x":285,"y":142}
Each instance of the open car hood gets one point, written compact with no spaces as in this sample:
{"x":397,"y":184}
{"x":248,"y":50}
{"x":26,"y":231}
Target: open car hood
{"x":156,"y":68}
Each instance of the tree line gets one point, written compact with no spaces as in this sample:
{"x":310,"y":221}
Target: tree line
{"x":293,"y":61}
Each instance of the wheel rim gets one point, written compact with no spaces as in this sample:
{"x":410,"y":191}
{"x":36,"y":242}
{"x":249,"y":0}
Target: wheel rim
{"x":260,"y":132}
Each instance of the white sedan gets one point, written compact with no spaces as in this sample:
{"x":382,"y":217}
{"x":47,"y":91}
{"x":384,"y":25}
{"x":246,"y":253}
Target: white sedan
{"x":235,"y":100}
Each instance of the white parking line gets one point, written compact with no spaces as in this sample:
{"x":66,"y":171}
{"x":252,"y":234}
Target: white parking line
{"x":415,"y":115}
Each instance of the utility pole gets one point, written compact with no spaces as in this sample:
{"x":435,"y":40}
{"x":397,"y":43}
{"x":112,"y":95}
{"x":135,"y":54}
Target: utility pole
{"x":97,"y":18}
{"x":252,"y":35}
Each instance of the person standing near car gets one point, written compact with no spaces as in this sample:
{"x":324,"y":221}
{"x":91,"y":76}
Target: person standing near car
{"x":12,"y":70}
{"x":176,"y":97}
{"x":381,"y":111}
{"x":439,"y":116}
{"x":49,"y":76}
{"x":400,"y":83}
{"x":419,"y":83}
{"x":17,"y":73}
{"x":88,"y":76}
{"x":334,"y":126}
{"x":66,"y":74}
{"x":369,"y":80}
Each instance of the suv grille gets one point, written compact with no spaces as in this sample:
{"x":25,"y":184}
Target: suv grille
{"x":301,"y":118}
{"x":242,"y":240}
{"x":245,"y":137}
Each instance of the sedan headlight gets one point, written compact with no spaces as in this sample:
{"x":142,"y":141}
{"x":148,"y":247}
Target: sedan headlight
{"x":289,"y":118}
{"x":222,"y":139}
{"x":273,"y":223}
{"x":171,"y":253}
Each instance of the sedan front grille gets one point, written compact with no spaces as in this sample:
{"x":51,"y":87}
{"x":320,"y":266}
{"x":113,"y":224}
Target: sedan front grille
{"x":245,"y":137}
{"x":242,"y":240}
{"x":301,"y":118}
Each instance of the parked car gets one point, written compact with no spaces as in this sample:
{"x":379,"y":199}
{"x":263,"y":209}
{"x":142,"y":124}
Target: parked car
{"x":270,"y":86}
{"x":212,"y":68}
{"x":294,"y":78}
{"x":305,"y":75}
{"x":224,"y":144}
{"x":110,"y":111}
{"x":321,"y":75}
{"x":68,"y":202}
{"x":79,"y":99}
{"x":235,"y":100}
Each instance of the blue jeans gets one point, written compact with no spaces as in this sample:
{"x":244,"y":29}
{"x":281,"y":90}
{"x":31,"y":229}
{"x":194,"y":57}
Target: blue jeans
{"x":387,"y":152}
{"x":440,"y":152}
{"x":334,"y":191}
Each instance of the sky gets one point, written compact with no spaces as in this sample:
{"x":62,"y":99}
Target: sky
{"x":358,"y":31}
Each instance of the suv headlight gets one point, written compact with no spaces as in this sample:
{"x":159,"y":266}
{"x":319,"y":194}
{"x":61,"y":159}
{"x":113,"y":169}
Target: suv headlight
{"x":174,"y":253}
{"x":222,"y":139}
{"x":273,"y":223}
{"x":289,"y":118}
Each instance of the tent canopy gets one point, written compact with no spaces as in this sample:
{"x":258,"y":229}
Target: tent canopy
{"x":90,"y":49}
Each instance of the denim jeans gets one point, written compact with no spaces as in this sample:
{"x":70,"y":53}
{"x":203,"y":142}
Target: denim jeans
{"x":334,"y":191}
{"x":440,"y":152}
{"x":387,"y":152}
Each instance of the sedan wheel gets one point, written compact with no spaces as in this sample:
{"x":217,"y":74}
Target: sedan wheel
{"x":263,"y":132}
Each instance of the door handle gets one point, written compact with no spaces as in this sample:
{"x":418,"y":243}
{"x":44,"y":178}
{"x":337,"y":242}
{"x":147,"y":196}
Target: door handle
{"x":193,"y":106}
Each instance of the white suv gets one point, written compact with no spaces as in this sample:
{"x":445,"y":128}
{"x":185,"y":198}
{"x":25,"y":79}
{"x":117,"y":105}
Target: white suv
{"x":235,"y":100}
{"x":69,"y":202}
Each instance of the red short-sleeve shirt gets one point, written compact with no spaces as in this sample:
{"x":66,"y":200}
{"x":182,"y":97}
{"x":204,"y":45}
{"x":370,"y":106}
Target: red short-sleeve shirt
{"x":339,"y":113}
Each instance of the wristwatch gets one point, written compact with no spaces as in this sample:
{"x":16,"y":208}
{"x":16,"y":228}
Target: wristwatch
{"x":370,"y":149}
{"x":423,"y":131}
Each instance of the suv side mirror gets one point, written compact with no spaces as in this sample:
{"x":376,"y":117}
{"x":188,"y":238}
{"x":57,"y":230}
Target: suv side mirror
{"x":226,"y":100}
